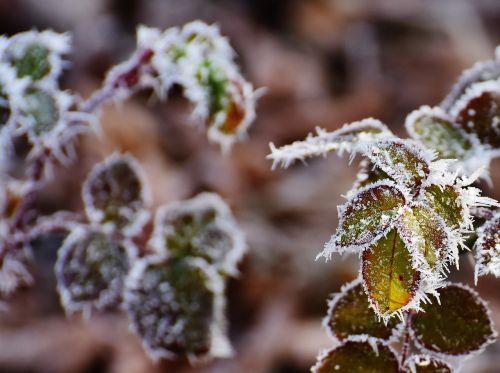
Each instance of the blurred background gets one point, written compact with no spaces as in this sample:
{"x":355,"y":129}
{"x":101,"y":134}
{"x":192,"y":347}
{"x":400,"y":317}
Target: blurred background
{"x":324,"y":63}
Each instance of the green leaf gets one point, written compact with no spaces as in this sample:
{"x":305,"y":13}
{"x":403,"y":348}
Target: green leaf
{"x":42,"y":110}
{"x":91,"y":270}
{"x":388,"y":275}
{"x":433,"y":128}
{"x":213,"y":79}
{"x":177,"y":308}
{"x":349,"y":314}
{"x":426,"y":364}
{"x":200,"y":227}
{"x":403,"y":160}
{"x":487,"y":248}
{"x":458,"y":326}
{"x":354,"y":356}
{"x":368,"y":214}
{"x":478,"y":112}
{"x":115,"y":194}
{"x":34,"y":62}
{"x":445,"y":201}
{"x":424,"y":231}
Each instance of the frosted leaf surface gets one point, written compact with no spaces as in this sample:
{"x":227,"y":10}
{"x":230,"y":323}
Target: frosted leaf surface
{"x":487,"y":248}
{"x":368,"y":174}
{"x":480,"y":72}
{"x":349,"y":313}
{"x":358,"y":356}
{"x":177,"y":308}
{"x":458,"y":325}
{"x":91,"y":270}
{"x":115,"y":194}
{"x":437,"y":132}
{"x":388,"y":274}
{"x":426,"y":364}
{"x":366,"y":216}
{"x":426,"y":232}
{"x":324,"y":142}
{"x":404,"y":160}
{"x":14,"y":271}
{"x":478,"y":112}
{"x":200,"y":227}
{"x":41,"y":110}
{"x":445,"y":201}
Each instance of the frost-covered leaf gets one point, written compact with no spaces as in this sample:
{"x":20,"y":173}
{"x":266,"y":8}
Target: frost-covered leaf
{"x":437,"y":132}
{"x":426,"y":364}
{"x":91,"y":270}
{"x":368,"y":174}
{"x":115,"y":194}
{"x":38,"y":55}
{"x":200,"y":227}
{"x":480,"y":72}
{"x":404,"y":160}
{"x":388,"y":275}
{"x":425,"y":232}
{"x":349,"y":313}
{"x":445,"y":201}
{"x":487,"y":248}
{"x":478,"y":112}
{"x":358,"y":355}
{"x":324,"y":142}
{"x":177,"y":308}
{"x":366,"y":216}
{"x":34,"y":62}
{"x":457,"y":325}
{"x":41,"y":110}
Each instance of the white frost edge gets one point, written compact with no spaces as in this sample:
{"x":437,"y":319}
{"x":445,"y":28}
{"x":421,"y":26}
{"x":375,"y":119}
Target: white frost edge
{"x":79,"y":233}
{"x":137,"y":218}
{"x":332,"y":247}
{"x":323,"y":142}
{"x":224,"y":220}
{"x":493,"y":267}
{"x":372,"y":342}
{"x":13,"y":272}
{"x":420,"y":359}
{"x":220,"y":346}
{"x":459,"y":357}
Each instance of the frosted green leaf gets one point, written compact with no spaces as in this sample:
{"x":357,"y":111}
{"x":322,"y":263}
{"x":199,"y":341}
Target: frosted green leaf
{"x":478,"y":112}
{"x":349,"y":313}
{"x":42,"y":110}
{"x":487,"y":248}
{"x":213,"y":79}
{"x":177,"y":308}
{"x":445,"y":201}
{"x":200,"y":227}
{"x":388,"y":275}
{"x":437,"y":132}
{"x":368,"y":214}
{"x":358,"y":356}
{"x":116,"y":195}
{"x":34,"y":62}
{"x":458,"y":326}
{"x":403,"y":160}
{"x":424,"y":231}
{"x":91,"y":270}
{"x":426,"y":364}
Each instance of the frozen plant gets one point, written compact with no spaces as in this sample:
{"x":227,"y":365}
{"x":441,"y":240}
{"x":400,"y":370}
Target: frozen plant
{"x":169,"y":274}
{"x":409,"y":215}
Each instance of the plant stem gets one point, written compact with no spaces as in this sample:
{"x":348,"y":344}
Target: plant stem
{"x":405,"y":349}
